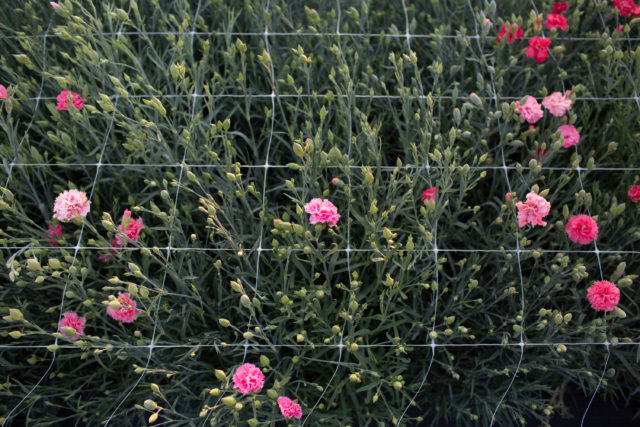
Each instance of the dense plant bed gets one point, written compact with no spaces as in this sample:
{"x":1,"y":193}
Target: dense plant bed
{"x":358,"y":212}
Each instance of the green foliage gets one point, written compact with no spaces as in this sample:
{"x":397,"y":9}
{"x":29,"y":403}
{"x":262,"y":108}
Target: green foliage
{"x":180,"y":126}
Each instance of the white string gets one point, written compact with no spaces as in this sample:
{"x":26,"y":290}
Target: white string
{"x":348,"y":219}
{"x":308,"y":34}
{"x":364,"y":250}
{"x":264,"y":188}
{"x":435,"y":243}
{"x":44,"y":64}
{"x":173,"y":217}
{"x":221,"y":346}
{"x":504,"y":166}
{"x":75,"y":255}
{"x":324,"y":95}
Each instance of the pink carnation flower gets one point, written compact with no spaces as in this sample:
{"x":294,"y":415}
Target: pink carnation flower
{"x":560,"y":7}
{"x":429,"y":194}
{"x":70,"y":204}
{"x":127,"y":311}
{"x":248,"y":378}
{"x":603,"y":295}
{"x":63,"y":100}
{"x":3,"y":92}
{"x":322,"y":210}
{"x":538,"y":48}
{"x":557,"y":104}
{"x":70,"y":319}
{"x":634,"y":193}
{"x":533,"y":210}
{"x":570,"y":135}
{"x":131,"y":228}
{"x":530,"y":110}
{"x":627,"y":7}
{"x":582,"y":229}
{"x":54,"y":233}
{"x":555,"y":20}
{"x":289,"y":408}
{"x":510,"y":35}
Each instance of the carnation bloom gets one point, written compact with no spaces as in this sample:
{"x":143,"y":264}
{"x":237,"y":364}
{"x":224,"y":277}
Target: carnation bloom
{"x":70,"y":204}
{"x":70,"y":319}
{"x":131,"y":228}
{"x":557,"y":103}
{"x":248,"y":378}
{"x":429,"y":194}
{"x":627,"y":7}
{"x":560,"y":7}
{"x":289,"y":408}
{"x":555,"y":20}
{"x":3,"y":92}
{"x":322,"y":210}
{"x":530,"y":110}
{"x":603,"y":295}
{"x":63,"y":100}
{"x":634,"y":193}
{"x":538,"y":47}
{"x":127,"y":311}
{"x":533,"y":210}
{"x":54,"y":233}
{"x":512,"y":34}
{"x":582,"y":229}
{"x":570,"y":135}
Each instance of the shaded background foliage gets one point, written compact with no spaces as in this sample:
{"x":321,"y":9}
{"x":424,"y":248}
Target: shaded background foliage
{"x":192,"y":117}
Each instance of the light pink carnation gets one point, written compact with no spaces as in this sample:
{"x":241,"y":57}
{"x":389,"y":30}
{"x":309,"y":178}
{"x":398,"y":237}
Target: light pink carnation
{"x":570,"y":135}
{"x":582,"y":229}
{"x":533,"y":210}
{"x":70,"y":319}
{"x":322,"y":210}
{"x":248,"y":378}
{"x":557,"y":103}
{"x":3,"y":92}
{"x":289,"y":408}
{"x":127,"y":311}
{"x":530,"y":110}
{"x":603,"y":295}
{"x":63,"y":100}
{"x":70,"y":204}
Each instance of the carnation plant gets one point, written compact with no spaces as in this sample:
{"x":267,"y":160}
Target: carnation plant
{"x":327,"y":213}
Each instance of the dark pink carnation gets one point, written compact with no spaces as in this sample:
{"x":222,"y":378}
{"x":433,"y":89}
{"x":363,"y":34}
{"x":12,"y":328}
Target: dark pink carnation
{"x":538,"y":48}
{"x":560,"y":7}
{"x":3,"y":92}
{"x":289,"y":408}
{"x":512,"y":34}
{"x":429,"y":194}
{"x":556,"y":20}
{"x":634,"y":193}
{"x":63,"y":100}
{"x":582,"y":229}
{"x":71,"y":320}
{"x":248,"y":378}
{"x":603,"y":295}
{"x":54,"y":233}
